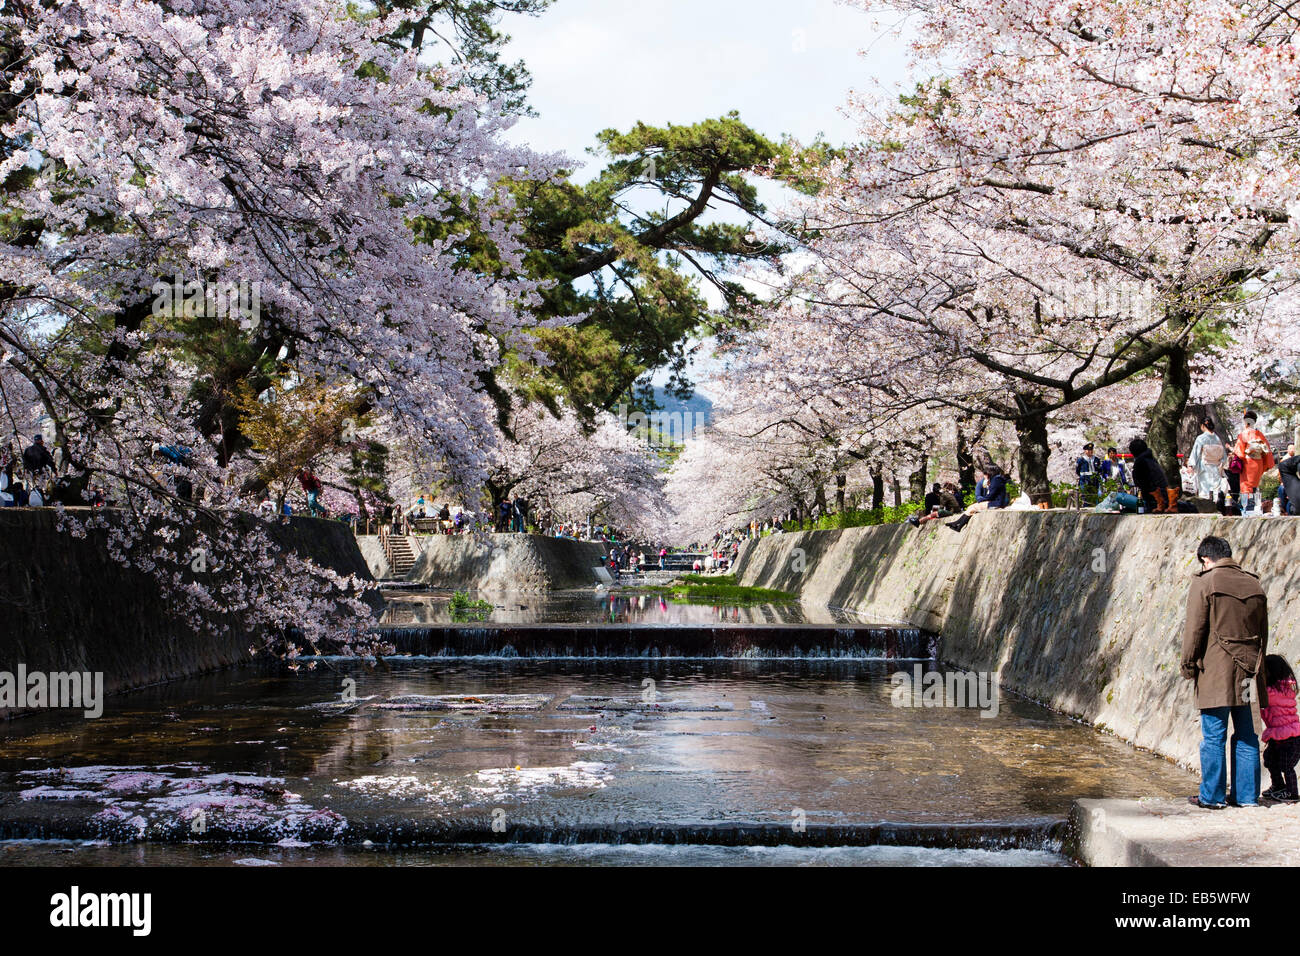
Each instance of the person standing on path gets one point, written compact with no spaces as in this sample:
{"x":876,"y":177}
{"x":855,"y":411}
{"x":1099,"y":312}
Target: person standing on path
{"x":1224,"y":643}
{"x":1206,"y":461}
{"x":1087,"y":468}
{"x":1257,"y":457}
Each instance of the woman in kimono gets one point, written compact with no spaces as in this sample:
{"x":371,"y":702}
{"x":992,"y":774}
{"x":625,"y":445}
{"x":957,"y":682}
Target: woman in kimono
{"x":1205,"y":463}
{"x":1253,"y":449}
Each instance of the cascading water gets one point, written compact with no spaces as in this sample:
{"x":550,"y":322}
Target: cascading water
{"x":687,"y":740}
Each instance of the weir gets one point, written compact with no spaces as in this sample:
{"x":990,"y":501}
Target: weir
{"x":776,"y":642}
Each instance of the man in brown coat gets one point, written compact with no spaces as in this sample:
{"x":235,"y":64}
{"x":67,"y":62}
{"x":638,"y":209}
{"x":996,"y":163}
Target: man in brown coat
{"x":1224,"y":642}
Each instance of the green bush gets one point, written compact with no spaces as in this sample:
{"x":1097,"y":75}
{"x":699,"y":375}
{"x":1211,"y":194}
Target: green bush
{"x":855,"y":518}
{"x":464,"y":609}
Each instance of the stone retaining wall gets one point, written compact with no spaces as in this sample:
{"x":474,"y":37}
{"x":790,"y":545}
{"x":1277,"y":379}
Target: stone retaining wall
{"x":1081,"y":612}
{"x":66,"y":606}
{"x":505,"y":562}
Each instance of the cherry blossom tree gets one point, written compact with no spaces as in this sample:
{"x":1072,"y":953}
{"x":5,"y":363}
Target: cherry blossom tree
{"x":577,"y":471}
{"x":156,"y":152}
{"x":1085,"y":193}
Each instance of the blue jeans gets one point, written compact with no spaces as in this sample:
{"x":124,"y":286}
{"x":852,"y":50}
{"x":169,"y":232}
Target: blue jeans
{"x":1245,"y":755}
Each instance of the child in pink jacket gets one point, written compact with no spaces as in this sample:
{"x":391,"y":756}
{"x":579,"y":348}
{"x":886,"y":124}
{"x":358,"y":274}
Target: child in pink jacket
{"x":1281,"y":729}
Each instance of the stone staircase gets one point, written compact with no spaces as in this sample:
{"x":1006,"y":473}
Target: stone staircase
{"x":401,"y":554}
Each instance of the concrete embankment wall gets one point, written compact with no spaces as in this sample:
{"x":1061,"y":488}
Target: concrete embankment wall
{"x":65,"y":605}
{"x":1081,"y":612}
{"x":505,"y":562}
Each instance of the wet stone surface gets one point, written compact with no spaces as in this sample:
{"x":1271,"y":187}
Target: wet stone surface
{"x":554,"y":752}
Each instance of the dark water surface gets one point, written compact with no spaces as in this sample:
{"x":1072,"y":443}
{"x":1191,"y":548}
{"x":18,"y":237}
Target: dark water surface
{"x":750,"y":761}
{"x":603,"y":606}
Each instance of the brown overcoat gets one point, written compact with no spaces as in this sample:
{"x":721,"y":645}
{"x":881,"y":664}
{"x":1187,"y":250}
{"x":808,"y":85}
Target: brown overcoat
{"x":1226,"y":637}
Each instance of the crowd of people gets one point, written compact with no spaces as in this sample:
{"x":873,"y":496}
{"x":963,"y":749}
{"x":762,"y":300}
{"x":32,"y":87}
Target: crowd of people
{"x":30,"y":479}
{"x":1229,"y":474}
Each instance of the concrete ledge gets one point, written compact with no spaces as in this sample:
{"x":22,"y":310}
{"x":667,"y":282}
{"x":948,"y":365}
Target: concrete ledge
{"x":1164,"y":832}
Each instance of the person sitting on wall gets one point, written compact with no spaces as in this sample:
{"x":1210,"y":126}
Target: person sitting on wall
{"x":1225,"y":639}
{"x":1149,"y":477}
{"x":941,"y":502}
{"x":992,"y":485}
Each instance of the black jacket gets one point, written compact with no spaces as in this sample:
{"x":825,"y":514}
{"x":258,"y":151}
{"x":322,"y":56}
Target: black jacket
{"x":37,"y":457}
{"x":1147,"y":473}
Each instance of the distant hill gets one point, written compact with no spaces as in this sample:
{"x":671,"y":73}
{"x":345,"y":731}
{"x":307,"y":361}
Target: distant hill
{"x":697,"y":404}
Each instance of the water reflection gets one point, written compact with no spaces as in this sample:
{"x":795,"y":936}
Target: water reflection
{"x":646,"y":609}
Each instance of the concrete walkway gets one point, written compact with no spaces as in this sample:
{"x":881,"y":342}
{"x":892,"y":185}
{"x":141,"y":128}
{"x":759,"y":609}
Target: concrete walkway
{"x":1158,"y":831}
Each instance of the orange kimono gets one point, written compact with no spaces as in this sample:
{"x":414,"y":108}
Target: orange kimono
{"x":1255,"y":467}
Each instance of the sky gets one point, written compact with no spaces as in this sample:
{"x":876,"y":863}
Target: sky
{"x":787,"y":66}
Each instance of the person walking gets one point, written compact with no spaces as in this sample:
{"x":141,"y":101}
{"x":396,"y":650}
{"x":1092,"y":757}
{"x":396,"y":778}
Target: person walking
{"x":1257,"y":457}
{"x":313,"y":487}
{"x":1224,"y":642}
{"x":1206,"y":461}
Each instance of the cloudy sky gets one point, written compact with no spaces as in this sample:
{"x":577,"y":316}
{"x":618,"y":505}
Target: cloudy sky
{"x":786,"y":65}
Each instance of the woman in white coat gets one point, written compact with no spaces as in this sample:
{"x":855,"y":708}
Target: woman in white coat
{"x":1206,"y":461}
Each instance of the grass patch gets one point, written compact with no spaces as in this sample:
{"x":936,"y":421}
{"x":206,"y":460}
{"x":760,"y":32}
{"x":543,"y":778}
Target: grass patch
{"x":694,"y":579}
{"x":723,"y":589}
{"x":715,"y":589}
{"x":464,"y":610}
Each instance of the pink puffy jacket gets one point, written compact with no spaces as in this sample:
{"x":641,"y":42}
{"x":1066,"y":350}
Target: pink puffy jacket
{"x":1280,"y":721}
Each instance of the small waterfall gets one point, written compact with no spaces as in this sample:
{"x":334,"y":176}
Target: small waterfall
{"x":585,"y":641}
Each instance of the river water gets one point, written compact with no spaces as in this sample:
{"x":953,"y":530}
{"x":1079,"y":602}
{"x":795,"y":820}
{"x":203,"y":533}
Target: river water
{"x":513,"y":760}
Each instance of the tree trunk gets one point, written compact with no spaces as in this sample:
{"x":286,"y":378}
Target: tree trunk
{"x":819,"y":499}
{"x":1031,"y":431}
{"x":840,"y":482}
{"x":916,"y":480}
{"x":877,"y":488}
{"x":898,"y":490}
{"x":965,"y":460}
{"x":1162,"y":436}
